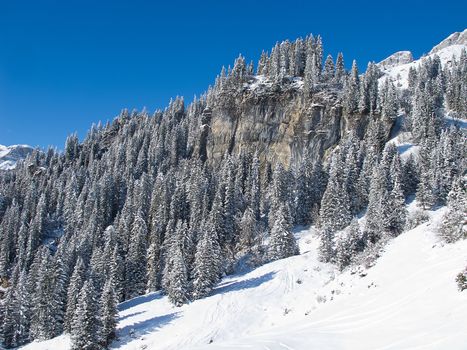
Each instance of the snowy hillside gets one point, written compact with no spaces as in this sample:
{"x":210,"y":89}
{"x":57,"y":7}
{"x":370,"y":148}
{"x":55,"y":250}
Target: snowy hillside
{"x":9,"y":155}
{"x":407,"y":300}
{"x":397,"y":66}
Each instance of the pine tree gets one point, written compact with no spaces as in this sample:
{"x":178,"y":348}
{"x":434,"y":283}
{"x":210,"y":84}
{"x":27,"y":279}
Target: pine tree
{"x":453,"y":226}
{"x":249,"y":231}
{"x":352,"y":90}
{"x":44,"y":305}
{"x":282,"y":243}
{"x":108,"y":312}
{"x":349,"y":245}
{"x":10,"y":316}
{"x":175,"y":276}
{"x":335,"y":207}
{"x":328,"y":74}
{"x":378,"y":206}
{"x":410,"y":176}
{"x":24,"y":299}
{"x":86,"y":323}
{"x":340,"y":69}
{"x":326,"y":247}
{"x":76,"y":283}
{"x":177,"y":286}
{"x":136,"y":260}
{"x":398,"y":211}
{"x":207,"y":266}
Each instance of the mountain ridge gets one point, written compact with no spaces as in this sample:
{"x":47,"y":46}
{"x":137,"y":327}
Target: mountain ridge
{"x":10,"y":155}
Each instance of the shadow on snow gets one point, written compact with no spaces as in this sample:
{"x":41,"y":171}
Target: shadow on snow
{"x":235,"y":285}
{"x":139,"y":300}
{"x":121,"y":318}
{"x":139,"y":329}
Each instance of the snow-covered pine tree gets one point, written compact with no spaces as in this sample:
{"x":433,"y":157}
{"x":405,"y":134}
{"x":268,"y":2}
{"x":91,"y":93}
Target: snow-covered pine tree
{"x":410,"y":176}
{"x":10,"y":316}
{"x":340,"y":69}
{"x":326,"y":247}
{"x":108,"y":312}
{"x":282,"y":243}
{"x":177,"y":286}
{"x":454,"y":224}
{"x":352,"y":90}
{"x":76,"y":283}
{"x":136,"y":260}
{"x":348,"y":245}
{"x":398,"y":211}
{"x":86,"y":323}
{"x":335,"y":206}
{"x":175,"y":277}
{"x":208,"y":263}
{"x":249,"y":231}
{"x":328,"y":74}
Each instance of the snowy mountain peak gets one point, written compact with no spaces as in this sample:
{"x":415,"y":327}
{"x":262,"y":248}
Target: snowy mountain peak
{"x":457,"y":38}
{"x":396,"y":59}
{"x":396,"y":67}
{"x":10,"y":155}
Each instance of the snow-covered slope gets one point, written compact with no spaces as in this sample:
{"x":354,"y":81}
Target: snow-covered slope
{"x":10,"y":155}
{"x":397,"y":66}
{"x":408,"y":300}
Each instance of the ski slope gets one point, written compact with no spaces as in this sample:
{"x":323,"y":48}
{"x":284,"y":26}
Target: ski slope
{"x":408,"y":300}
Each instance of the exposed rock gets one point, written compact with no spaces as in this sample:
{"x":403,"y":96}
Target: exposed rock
{"x":457,"y":38}
{"x":10,"y":155}
{"x":396,"y":59}
{"x":279,"y":125}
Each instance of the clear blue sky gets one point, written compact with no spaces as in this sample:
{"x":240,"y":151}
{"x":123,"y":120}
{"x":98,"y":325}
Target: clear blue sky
{"x":67,"y":64}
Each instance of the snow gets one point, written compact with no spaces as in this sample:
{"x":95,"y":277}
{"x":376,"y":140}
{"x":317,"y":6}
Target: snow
{"x":396,"y":59}
{"x":457,"y":38}
{"x":461,"y":123}
{"x":407,"y":300}
{"x":9,"y":155}
{"x":59,"y":343}
{"x":260,"y":83}
{"x":399,"y":73}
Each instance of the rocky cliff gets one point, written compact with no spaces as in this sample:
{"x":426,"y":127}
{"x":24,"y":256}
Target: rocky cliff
{"x":279,"y":125}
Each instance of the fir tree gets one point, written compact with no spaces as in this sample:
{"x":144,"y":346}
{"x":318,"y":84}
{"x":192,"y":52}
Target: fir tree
{"x":453,"y":226}
{"x":85,"y":324}
{"x":108,"y":312}
{"x":136,"y":260}
{"x":335,"y":207}
{"x":282,"y":243}
{"x":207,"y":266}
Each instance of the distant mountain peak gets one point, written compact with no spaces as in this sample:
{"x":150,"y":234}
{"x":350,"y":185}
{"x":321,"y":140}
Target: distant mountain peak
{"x":10,"y":155}
{"x":457,"y":38}
{"x":396,"y":59}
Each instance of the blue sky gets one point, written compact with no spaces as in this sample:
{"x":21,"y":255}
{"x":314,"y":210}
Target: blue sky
{"x":67,"y":64}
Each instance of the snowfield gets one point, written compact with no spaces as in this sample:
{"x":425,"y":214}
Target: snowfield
{"x":408,"y":300}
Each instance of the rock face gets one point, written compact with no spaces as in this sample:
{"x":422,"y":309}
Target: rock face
{"x":396,"y":59}
{"x":10,"y":155}
{"x":278,"y":125}
{"x":458,"y":38}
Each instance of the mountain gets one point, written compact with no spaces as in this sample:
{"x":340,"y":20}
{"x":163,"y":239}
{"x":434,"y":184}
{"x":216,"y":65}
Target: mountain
{"x":397,"y":66}
{"x":455,"y":39}
{"x":10,"y":155}
{"x":293,"y":205}
{"x":395,"y":60}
